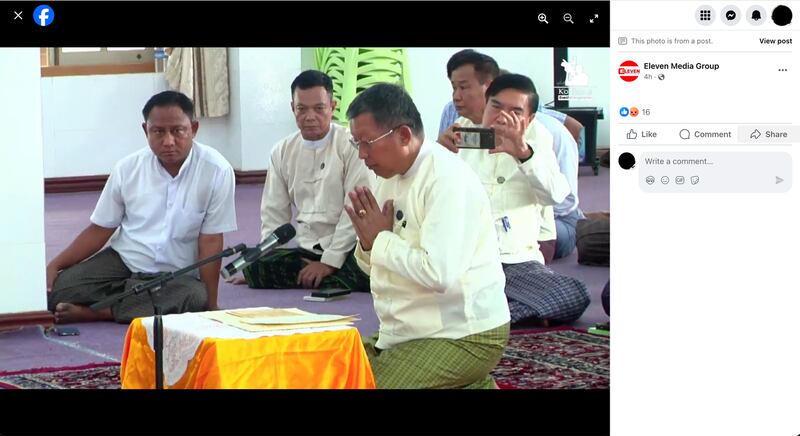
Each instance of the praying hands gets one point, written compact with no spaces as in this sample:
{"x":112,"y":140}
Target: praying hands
{"x":367,"y":217}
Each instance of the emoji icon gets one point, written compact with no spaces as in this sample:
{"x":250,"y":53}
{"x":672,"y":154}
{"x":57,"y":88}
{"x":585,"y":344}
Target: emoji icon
{"x":634,"y":111}
{"x":665,"y":180}
{"x":650,"y":180}
{"x":623,"y":112}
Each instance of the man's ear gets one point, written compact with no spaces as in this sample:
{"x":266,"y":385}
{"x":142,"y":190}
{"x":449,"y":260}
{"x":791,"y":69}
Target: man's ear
{"x":144,"y":127}
{"x":333,"y":105}
{"x":195,"y":126}
{"x":405,"y":135}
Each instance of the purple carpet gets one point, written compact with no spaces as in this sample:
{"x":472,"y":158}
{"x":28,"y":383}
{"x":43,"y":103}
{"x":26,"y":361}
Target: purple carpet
{"x":67,"y":214}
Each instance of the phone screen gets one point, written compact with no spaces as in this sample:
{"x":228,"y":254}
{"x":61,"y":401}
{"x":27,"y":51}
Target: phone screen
{"x":474,"y":137}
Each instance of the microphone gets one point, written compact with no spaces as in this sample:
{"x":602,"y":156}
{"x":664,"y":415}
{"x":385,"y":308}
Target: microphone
{"x":280,"y":236}
{"x":230,"y":251}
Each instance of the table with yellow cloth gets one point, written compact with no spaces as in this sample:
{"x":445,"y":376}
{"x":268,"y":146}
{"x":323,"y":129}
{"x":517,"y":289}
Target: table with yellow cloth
{"x":200,"y":353}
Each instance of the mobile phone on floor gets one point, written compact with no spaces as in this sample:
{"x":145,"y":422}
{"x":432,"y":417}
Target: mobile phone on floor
{"x":66,"y":331}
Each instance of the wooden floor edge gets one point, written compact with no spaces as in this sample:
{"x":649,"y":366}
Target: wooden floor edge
{"x":9,"y":321}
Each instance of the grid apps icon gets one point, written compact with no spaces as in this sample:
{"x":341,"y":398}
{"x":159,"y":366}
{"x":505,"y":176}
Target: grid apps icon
{"x":705,"y":14}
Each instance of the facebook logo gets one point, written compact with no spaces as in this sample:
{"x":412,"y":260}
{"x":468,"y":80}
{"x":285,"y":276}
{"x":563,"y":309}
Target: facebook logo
{"x":43,"y":15}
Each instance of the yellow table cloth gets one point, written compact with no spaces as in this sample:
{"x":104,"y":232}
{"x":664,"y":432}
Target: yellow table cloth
{"x":321,"y":359}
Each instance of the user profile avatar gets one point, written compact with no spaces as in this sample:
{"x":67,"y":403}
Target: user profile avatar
{"x":781,"y":15}
{"x":627,"y":161}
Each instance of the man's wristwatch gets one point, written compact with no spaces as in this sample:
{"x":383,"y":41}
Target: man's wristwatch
{"x":523,"y":160}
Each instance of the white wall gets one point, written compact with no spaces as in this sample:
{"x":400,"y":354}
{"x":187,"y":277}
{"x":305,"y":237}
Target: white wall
{"x":431,"y":89}
{"x":90,"y":122}
{"x":262,"y":100}
{"x":22,"y":259}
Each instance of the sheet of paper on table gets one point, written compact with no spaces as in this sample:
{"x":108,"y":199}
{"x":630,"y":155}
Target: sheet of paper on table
{"x":267,"y":319}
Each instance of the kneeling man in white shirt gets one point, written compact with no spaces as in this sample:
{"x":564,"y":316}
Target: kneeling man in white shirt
{"x":427,"y":240}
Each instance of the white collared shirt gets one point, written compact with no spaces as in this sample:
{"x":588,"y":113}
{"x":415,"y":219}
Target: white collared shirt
{"x":160,"y":218}
{"x":566,"y":151}
{"x":518,"y":191}
{"x":315,"y":177}
{"x":437,"y":274}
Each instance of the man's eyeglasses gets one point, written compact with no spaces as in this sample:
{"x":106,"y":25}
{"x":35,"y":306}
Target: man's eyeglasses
{"x":177,"y":132}
{"x":367,"y":144}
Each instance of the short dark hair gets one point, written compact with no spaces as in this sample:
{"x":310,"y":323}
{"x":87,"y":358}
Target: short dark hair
{"x":311,"y":78}
{"x":518,"y":82}
{"x":169,"y":98}
{"x":485,"y":66}
{"x":390,"y":105}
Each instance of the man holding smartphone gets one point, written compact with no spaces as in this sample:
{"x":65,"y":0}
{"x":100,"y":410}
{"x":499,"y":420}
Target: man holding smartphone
{"x":521,"y":176}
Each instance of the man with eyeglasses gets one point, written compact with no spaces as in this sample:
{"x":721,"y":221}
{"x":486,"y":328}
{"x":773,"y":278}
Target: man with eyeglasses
{"x":164,"y":208}
{"x":521,"y":177}
{"x":311,"y":170}
{"x":427,"y":240}
{"x":473,"y":72}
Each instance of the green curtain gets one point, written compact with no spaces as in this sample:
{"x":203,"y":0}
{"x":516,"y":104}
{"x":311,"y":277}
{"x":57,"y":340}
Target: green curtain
{"x":356,"y":69}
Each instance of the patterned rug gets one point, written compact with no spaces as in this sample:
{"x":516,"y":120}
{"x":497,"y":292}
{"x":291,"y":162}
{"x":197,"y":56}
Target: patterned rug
{"x":93,"y":376}
{"x":549,"y":359}
{"x":554,"y":359}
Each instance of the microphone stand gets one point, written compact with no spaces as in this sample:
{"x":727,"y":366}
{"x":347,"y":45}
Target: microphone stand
{"x":152,"y":287}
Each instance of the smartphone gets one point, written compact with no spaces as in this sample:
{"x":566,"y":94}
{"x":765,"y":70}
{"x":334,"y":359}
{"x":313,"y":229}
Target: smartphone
{"x":474,"y":137}
{"x":322,"y":299}
{"x":66,"y":331}
{"x":327,"y":295}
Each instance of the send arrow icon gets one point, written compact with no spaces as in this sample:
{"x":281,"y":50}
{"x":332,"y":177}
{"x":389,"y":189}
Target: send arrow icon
{"x":778,"y":180}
